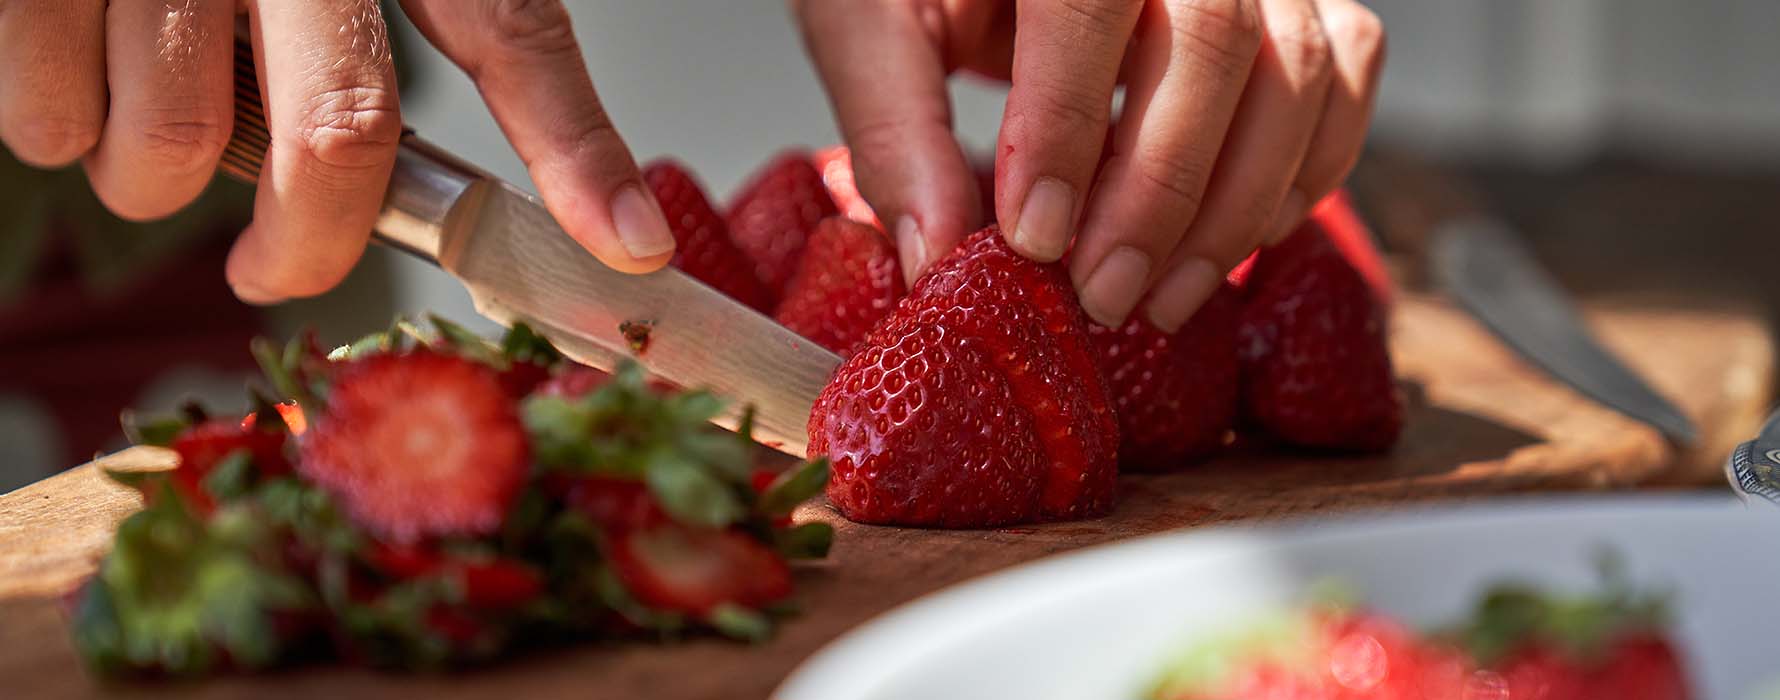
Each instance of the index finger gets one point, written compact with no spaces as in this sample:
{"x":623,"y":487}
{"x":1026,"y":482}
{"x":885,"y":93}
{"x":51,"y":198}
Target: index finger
{"x":886,"y":79}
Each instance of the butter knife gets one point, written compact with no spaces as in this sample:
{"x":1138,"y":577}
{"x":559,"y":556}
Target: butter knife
{"x":1491,"y":274}
{"x":519,"y":266}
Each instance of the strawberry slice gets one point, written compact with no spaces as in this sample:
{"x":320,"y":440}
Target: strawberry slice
{"x":203,"y":446}
{"x":692,"y":571}
{"x":771,"y":219}
{"x":289,"y":411}
{"x":573,"y":382}
{"x":847,"y":281}
{"x":494,"y":583}
{"x":702,"y":239}
{"x":418,"y":444}
{"x":613,"y":502}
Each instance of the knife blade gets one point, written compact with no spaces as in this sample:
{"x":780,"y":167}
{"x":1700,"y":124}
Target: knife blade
{"x":520,"y":266}
{"x":1492,"y":275}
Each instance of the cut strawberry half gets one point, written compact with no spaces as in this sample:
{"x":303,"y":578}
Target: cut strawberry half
{"x":693,"y":571}
{"x":418,"y":444}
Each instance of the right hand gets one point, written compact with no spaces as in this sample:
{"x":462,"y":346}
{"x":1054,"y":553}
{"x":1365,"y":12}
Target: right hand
{"x":139,"y":91}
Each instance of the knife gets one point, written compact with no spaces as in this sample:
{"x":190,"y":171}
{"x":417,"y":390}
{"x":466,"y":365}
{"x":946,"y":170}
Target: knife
{"x":1754,"y":467}
{"x":519,"y":266}
{"x":1483,"y":264}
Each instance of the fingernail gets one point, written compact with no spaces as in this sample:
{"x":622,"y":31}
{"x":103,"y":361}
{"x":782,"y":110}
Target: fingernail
{"x":1042,"y":231}
{"x":251,"y":293}
{"x":1291,"y":213}
{"x":1182,"y":292}
{"x":1114,"y":286}
{"x":910,"y":248}
{"x":642,"y":229}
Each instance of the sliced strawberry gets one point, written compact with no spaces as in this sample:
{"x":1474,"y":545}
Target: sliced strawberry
{"x":495,"y":583}
{"x":835,"y":163}
{"x":289,"y":411}
{"x":614,"y":502}
{"x":1316,"y":370}
{"x":523,"y":376}
{"x":1176,"y":394}
{"x":847,"y":281}
{"x":702,"y":239}
{"x":574,"y":381}
{"x":203,"y":446}
{"x":771,"y":219}
{"x":978,"y":402}
{"x":693,"y":571}
{"x":418,"y":444}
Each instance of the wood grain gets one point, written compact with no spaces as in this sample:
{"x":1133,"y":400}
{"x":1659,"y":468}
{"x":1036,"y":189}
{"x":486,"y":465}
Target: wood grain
{"x":1481,"y":423}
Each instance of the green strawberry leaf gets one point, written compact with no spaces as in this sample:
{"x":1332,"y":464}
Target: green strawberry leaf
{"x":521,"y":343}
{"x":741,"y":623}
{"x":806,"y":541}
{"x":688,"y":492}
{"x":793,"y":487}
{"x":158,"y":431}
{"x":232,"y":476}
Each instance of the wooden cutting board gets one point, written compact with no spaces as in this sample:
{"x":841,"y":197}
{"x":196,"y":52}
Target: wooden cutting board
{"x":1481,"y":423}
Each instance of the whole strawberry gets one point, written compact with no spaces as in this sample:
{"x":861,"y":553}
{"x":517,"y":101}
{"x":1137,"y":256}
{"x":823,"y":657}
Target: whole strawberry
{"x":848,"y":279}
{"x":703,"y":246}
{"x":976,"y":403}
{"x":1315,"y":367}
{"x":1338,"y":219}
{"x":1175,"y":395}
{"x":771,"y":219}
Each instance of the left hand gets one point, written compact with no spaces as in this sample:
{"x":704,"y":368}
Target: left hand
{"x":1238,"y":116}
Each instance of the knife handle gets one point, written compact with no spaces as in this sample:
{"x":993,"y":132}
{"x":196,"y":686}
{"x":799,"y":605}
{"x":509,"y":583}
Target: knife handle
{"x":427,"y":188}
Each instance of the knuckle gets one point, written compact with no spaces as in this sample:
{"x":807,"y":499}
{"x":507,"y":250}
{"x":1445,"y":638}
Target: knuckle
{"x":532,"y":26}
{"x":1178,"y":174}
{"x":1355,"y":28}
{"x":52,"y":139}
{"x":1099,"y":18}
{"x":1225,"y":34}
{"x":1302,"y":45}
{"x":353,"y":128}
{"x":183,"y":141}
{"x":1068,"y":105}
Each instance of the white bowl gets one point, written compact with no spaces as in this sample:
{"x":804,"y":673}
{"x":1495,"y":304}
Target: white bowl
{"x":1102,"y":622}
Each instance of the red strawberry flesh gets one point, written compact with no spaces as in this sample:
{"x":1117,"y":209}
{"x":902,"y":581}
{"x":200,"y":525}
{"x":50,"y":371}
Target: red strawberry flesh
{"x":418,"y":444}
